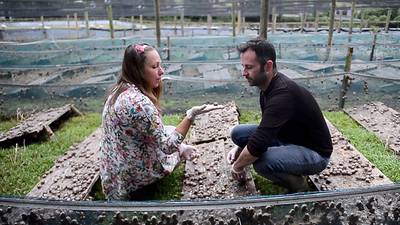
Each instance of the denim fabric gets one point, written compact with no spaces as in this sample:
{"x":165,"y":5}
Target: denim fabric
{"x":282,"y":158}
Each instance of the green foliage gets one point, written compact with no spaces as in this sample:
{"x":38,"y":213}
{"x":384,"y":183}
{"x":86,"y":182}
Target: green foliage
{"x":373,"y":18}
{"x":172,"y":119}
{"x":289,"y":19}
{"x":266,"y":187}
{"x":324,"y":19}
{"x":368,"y":144}
{"x":377,"y":14}
{"x":382,"y":18}
{"x":252,"y":117}
{"x":7,"y":124}
{"x":21,"y":168}
{"x":169,"y":187}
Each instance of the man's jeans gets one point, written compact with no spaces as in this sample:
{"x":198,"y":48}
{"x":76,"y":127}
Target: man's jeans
{"x":280,"y":159}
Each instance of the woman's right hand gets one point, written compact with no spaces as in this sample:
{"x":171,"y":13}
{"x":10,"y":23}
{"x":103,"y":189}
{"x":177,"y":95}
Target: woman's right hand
{"x":197,"y":110}
{"x":187,"y":152}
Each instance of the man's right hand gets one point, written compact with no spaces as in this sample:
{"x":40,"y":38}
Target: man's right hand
{"x":233,"y":154}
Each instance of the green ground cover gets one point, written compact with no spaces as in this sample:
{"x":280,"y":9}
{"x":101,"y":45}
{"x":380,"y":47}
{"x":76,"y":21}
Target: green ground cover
{"x":368,"y":144}
{"x":21,"y":168}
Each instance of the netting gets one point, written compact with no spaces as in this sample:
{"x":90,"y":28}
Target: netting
{"x":26,"y":8}
{"x":200,"y":69}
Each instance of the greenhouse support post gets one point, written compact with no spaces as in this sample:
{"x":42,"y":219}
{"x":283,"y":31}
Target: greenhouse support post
{"x":264,"y":19}
{"x":182,"y":21}
{"x":175,"y":29}
{"x":273,"y":19}
{"x":316,"y":21}
{"x":371,"y":56}
{"x":389,"y":14}
{"x":133,"y":24}
{"x":209,"y":21}
{"x":339,"y":27}
{"x":168,"y":48}
{"x":353,"y":7}
{"x":110,"y":19}
{"x":68,"y":21}
{"x":233,"y":15}
{"x":157,"y":15}
{"x":87,"y":23}
{"x":141,"y":23}
{"x":346,"y":78}
{"x":239,"y":19}
{"x":301,"y":15}
{"x":43,"y":27}
{"x":76,"y":25}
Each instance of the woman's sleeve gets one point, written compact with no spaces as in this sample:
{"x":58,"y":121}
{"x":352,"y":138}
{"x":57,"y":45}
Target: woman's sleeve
{"x":154,"y":135}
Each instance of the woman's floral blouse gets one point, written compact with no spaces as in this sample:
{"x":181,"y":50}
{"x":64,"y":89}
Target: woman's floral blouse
{"x":135,"y":149}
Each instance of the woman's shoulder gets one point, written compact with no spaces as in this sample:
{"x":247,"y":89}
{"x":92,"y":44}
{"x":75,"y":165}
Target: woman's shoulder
{"x":133,"y":97}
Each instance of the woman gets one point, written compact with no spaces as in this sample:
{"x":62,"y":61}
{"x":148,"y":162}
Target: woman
{"x":136,"y":149}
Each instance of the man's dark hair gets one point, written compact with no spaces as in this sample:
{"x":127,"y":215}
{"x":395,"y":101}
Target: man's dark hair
{"x":264,"y":50}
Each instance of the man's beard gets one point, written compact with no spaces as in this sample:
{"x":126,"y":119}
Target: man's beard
{"x":258,"y":80}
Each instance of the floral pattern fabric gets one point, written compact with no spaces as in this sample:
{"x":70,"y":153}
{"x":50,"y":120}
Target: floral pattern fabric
{"x":136,"y":149}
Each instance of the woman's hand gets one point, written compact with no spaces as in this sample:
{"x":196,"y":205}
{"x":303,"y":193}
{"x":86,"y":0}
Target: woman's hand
{"x":187,"y":152}
{"x":197,"y":110}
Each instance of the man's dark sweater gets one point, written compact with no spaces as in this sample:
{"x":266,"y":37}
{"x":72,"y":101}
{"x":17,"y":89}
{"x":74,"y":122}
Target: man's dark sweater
{"x":291,"y":115}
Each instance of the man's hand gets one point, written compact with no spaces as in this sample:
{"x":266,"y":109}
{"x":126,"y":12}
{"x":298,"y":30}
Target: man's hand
{"x":187,"y":152}
{"x":238,"y":175}
{"x":197,"y":110}
{"x":233,"y":154}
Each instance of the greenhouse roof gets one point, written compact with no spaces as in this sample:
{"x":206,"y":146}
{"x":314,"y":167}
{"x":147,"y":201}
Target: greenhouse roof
{"x":96,"y":8}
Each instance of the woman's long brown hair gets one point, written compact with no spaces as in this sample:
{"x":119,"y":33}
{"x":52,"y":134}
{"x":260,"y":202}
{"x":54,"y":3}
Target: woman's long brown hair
{"x":133,"y":73}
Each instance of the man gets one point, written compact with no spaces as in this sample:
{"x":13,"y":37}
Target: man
{"x":292,"y":139}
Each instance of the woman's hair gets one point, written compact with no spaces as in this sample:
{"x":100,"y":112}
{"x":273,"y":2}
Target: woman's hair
{"x":133,"y":73}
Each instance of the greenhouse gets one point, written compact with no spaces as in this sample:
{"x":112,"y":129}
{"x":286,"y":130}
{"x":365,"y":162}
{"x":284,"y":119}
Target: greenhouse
{"x":60,"y":59}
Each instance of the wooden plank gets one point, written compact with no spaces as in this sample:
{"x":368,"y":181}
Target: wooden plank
{"x":293,"y":74}
{"x":214,"y":125}
{"x":380,"y":120}
{"x":362,"y":66}
{"x":347,"y":168}
{"x":74,"y":174}
{"x":208,"y":177}
{"x":317,"y":67}
{"x":37,"y":126}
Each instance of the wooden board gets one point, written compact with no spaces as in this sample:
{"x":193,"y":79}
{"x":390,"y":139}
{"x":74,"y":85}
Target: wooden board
{"x":37,"y":126}
{"x":348,"y":168}
{"x":317,"y":67}
{"x":74,"y":174}
{"x":208,"y":177}
{"x":381,"y":120}
{"x":214,"y":125}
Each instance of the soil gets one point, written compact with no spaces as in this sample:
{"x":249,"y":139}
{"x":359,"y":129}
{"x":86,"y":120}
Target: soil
{"x":380,"y":120}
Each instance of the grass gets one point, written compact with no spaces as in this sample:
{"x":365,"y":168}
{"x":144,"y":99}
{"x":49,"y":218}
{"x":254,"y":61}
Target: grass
{"x":368,"y":144}
{"x":8,"y":124}
{"x":21,"y":168}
